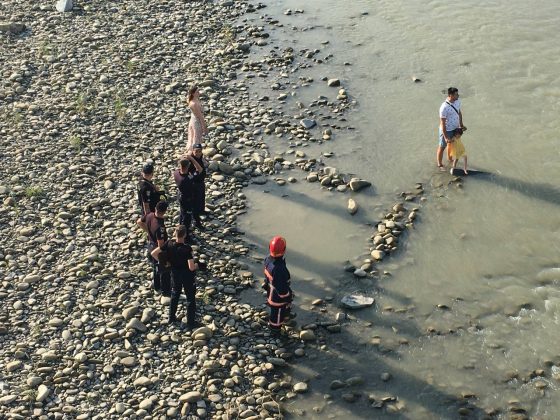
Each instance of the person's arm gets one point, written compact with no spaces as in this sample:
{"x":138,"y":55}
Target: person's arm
{"x":192,"y":265}
{"x":282,"y":285}
{"x":146,"y":207}
{"x":142,"y":224}
{"x":160,"y":235}
{"x":195,"y":163}
{"x":442,"y":124}
{"x":461,"y":121}
{"x":155,"y":253}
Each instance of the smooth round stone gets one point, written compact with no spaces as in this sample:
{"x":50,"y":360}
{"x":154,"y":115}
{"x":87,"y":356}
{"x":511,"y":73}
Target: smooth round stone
{"x":146,"y":404}
{"x":120,"y":407}
{"x":33,"y":381}
{"x":191,"y":397}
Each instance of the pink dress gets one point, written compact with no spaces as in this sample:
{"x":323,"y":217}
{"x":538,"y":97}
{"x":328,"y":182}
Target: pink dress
{"x":195,"y":132}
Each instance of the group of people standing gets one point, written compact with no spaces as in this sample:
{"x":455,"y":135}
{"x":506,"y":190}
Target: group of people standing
{"x":173,"y":264}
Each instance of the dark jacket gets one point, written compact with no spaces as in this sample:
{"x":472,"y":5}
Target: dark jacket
{"x":277,"y":281}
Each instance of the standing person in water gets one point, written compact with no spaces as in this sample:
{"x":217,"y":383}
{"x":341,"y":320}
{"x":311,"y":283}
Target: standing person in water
{"x":450,"y":123}
{"x":197,"y":124}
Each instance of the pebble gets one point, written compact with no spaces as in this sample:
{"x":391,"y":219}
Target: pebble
{"x":307,"y":335}
{"x":191,"y":397}
{"x":42,"y":393}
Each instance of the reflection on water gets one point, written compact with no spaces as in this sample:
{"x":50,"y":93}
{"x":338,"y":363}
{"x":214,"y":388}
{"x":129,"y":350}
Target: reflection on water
{"x":465,"y":322}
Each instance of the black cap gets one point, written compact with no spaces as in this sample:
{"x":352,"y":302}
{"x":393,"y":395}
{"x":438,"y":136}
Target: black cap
{"x":197,"y":146}
{"x":148,"y":168}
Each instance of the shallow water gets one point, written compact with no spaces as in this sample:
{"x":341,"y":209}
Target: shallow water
{"x":477,"y":249}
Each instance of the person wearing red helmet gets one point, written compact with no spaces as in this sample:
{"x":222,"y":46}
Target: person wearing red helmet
{"x":277,"y":284}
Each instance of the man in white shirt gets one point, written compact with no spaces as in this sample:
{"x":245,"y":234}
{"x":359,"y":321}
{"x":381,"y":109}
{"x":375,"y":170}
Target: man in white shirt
{"x":450,"y":119}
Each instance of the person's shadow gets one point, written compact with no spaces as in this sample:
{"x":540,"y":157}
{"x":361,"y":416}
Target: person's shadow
{"x":540,"y":191}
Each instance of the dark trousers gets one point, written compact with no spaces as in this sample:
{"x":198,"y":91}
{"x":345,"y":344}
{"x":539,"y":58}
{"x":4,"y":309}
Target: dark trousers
{"x":199,"y":201}
{"x":278,"y":315}
{"x":182,"y":281}
{"x":161,"y":279}
{"x":185,"y":214}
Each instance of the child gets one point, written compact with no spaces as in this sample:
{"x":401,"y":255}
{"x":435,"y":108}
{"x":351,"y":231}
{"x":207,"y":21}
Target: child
{"x":277,"y":284}
{"x":456,"y":150}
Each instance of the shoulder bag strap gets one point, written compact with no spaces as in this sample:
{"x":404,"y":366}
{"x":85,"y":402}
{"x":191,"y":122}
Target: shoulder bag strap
{"x":452,"y":107}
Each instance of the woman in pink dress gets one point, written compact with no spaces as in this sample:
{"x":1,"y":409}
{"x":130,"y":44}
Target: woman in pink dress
{"x":197,"y":124}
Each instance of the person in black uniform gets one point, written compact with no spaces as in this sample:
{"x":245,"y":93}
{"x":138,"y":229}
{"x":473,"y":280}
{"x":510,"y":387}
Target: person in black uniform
{"x":199,"y":188}
{"x":148,"y":194}
{"x":179,"y":256}
{"x":184,"y":181}
{"x":277,"y":284}
{"x":154,"y":225}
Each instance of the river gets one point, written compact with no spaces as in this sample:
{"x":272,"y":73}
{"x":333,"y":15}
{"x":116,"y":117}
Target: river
{"x":480,"y":252}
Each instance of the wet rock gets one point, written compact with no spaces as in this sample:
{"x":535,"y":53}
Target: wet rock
{"x":356,"y":301}
{"x":333,"y":82}
{"x":357,"y":184}
{"x":308,"y":123}
{"x":352,"y":206}
{"x":337,"y":384}
{"x":549,"y":275}
{"x":377,"y":254}
{"x":307,"y":335}
{"x":355,"y":381}
{"x":300,"y":387}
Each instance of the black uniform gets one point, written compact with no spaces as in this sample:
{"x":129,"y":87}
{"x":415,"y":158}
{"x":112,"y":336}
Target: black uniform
{"x":178,"y":256}
{"x":199,"y":189}
{"x":156,"y":231}
{"x":279,"y":291}
{"x":185,"y":197}
{"x":147,"y":193}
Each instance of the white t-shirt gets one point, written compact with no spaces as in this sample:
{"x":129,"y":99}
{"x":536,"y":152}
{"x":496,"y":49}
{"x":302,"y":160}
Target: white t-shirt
{"x":450,"y":115}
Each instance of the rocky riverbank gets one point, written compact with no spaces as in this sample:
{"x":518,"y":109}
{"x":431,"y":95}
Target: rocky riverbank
{"x":88,"y":96}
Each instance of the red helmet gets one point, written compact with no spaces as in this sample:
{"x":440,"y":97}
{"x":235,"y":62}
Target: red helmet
{"x":277,"y":246}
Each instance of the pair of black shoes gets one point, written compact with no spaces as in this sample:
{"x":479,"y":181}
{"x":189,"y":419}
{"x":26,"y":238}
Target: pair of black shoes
{"x":188,"y":327}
